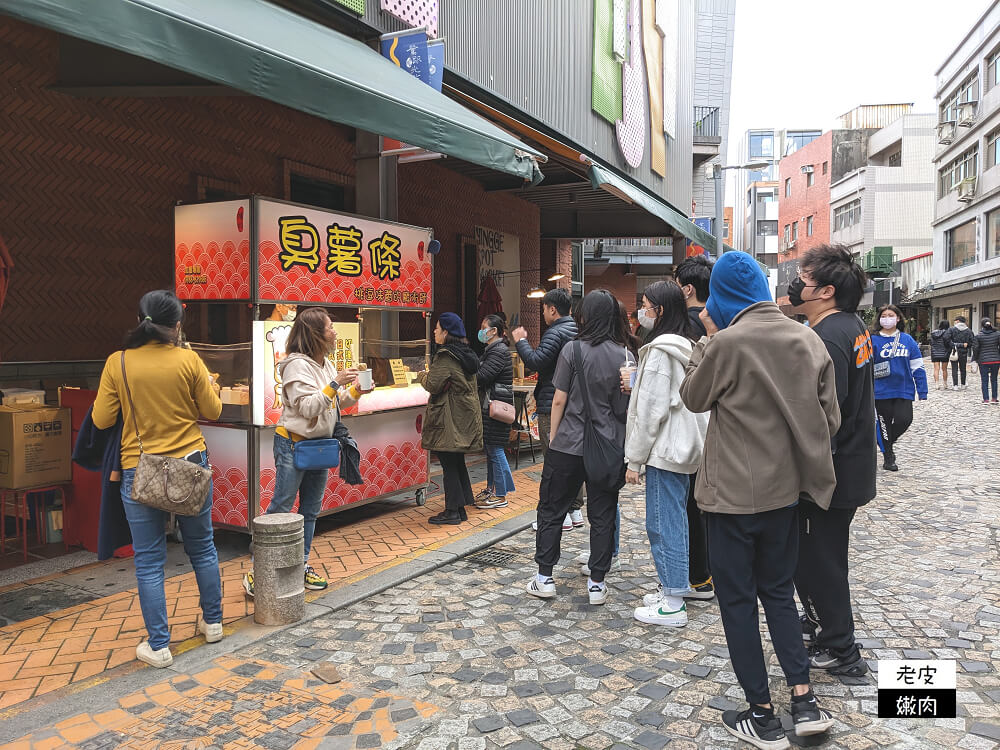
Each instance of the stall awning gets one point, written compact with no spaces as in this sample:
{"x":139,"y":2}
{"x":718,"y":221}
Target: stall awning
{"x":605,"y":179}
{"x":275,"y":54}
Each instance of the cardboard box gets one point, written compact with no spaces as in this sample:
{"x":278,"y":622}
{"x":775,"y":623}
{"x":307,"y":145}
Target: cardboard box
{"x":19,"y":396}
{"x":34,"y":446}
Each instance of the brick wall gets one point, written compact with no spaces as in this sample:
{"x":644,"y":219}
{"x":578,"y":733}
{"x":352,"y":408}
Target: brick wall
{"x":613,"y":279}
{"x":806,"y":201}
{"x":88,"y":185}
{"x":434,"y":196}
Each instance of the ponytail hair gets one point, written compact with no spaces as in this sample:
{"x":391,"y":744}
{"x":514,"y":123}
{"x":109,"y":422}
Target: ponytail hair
{"x":159,"y":313}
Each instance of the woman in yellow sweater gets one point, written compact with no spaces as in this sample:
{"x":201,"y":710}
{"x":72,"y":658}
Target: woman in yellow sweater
{"x":170,"y":388}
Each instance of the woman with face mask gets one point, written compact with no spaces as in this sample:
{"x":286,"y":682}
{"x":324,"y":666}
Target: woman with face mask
{"x":899,"y":379}
{"x":496,"y":381}
{"x":986,"y":351}
{"x":664,"y":441}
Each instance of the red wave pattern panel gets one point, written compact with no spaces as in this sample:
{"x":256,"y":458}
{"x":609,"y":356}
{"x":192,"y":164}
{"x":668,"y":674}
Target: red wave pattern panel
{"x":298,"y":283}
{"x":212,"y":272}
{"x":230,"y":490}
{"x":389,"y":469}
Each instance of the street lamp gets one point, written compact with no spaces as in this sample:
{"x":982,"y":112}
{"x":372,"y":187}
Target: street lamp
{"x":714,"y":171}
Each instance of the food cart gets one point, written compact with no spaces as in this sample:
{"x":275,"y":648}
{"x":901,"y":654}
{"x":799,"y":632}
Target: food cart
{"x":236,"y":259}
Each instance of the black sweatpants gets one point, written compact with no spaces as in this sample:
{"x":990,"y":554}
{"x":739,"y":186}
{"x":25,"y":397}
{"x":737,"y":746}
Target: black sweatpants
{"x":958,"y":366}
{"x":455,"y":478}
{"x":698,"y":569}
{"x":562,"y":477}
{"x":544,"y":423}
{"x":896,"y":415}
{"x":753,"y":557}
{"x":821,"y":576}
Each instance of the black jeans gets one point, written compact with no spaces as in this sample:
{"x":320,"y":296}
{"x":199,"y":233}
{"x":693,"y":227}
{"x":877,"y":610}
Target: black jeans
{"x":753,"y":556}
{"x":455,"y":478}
{"x":562,"y":477}
{"x":821,"y":576}
{"x":896,"y":415}
{"x":544,"y":423}
{"x":698,"y":568}
{"x":959,"y":366}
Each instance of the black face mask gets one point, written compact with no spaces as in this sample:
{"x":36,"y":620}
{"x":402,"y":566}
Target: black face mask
{"x":795,"y":291}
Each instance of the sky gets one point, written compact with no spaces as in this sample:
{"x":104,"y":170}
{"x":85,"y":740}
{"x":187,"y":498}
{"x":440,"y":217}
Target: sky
{"x":803,"y":63}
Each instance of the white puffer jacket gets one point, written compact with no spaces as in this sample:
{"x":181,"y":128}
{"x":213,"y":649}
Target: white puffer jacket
{"x":660,"y":431}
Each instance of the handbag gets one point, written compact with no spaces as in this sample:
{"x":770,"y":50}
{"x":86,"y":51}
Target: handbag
{"x":499,"y":410}
{"x":320,"y":453}
{"x":884,"y":369}
{"x":953,"y":357}
{"x":603,"y":459}
{"x":173,"y":485}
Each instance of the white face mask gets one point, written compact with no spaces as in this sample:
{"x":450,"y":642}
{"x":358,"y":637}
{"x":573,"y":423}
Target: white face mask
{"x":646,"y":318}
{"x":289,"y":316}
{"x":887,"y":323}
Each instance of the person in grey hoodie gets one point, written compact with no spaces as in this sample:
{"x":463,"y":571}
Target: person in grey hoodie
{"x":960,"y":339}
{"x":312,"y":393}
{"x":664,"y":440}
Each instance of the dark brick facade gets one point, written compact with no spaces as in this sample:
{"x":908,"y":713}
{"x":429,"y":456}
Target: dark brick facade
{"x":87,"y":188}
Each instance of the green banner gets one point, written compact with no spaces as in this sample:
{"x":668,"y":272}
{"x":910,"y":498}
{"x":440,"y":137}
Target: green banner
{"x":606,"y":88}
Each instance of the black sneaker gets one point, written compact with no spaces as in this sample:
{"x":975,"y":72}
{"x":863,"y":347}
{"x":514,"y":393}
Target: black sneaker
{"x":754,"y":727}
{"x":850,"y":664}
{"x":809,"y":718}
{"x":809,"y":629}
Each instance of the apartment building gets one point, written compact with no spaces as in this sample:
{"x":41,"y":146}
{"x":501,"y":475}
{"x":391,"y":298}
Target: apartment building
{"x":966,"y":225}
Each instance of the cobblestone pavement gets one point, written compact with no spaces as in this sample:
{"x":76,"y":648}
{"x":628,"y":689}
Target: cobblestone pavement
{"x":462,"y":659}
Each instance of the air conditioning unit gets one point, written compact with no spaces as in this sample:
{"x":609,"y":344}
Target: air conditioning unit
{"x":967,"y":189}
{"x":967,"y":113}
{"x":946,"y":132}
{"x":807,"y":169}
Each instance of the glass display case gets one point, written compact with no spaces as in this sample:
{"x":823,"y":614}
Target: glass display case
{"x":230,"y":364}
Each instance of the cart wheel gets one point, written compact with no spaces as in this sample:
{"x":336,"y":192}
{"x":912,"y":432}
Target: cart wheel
{"x":421,"y":497}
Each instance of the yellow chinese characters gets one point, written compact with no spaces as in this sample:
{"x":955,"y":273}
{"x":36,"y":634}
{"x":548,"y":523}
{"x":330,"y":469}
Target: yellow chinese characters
{"x":295,"y":252}
{"x":344,"y":256}
{"x":385,"y":256}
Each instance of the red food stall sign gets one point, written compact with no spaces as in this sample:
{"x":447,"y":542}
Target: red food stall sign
{"x":311,"y":255}
{"x":212,"y":251}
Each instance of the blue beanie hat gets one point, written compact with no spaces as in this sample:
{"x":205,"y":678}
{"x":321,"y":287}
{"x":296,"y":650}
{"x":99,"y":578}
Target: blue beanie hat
{"x":736,"y":283}
{"x":452,"y":324}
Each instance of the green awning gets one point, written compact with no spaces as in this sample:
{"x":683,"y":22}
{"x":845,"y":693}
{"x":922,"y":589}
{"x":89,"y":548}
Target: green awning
{"x":601,"y":177}
{"x":275,"y":54}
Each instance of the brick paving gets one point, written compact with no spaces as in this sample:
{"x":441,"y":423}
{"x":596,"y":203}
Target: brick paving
{"x":79,"y":643}
{"x":464,"y":660}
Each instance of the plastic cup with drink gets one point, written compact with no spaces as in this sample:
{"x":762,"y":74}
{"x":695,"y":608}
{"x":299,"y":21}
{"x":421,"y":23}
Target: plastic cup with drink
{"x":628,"y":371}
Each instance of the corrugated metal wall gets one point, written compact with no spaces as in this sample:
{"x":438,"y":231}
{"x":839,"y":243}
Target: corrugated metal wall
{"x":537,"y":56}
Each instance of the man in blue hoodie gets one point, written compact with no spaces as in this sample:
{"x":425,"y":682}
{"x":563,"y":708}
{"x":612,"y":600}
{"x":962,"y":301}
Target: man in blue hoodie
{"x":771,"y":389}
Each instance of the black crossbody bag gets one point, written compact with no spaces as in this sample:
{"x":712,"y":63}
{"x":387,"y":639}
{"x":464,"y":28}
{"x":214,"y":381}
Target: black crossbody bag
{"x":604,"y":460}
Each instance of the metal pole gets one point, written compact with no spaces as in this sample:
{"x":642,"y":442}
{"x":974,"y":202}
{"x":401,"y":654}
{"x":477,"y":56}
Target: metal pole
{"x":719,"y":220}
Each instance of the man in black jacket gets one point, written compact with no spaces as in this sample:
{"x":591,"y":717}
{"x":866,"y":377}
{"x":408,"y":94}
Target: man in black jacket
{"x":692,"y":276}
{"x":827,"y":291}
{"x":960,"y":338}
{"x":561,"y":330}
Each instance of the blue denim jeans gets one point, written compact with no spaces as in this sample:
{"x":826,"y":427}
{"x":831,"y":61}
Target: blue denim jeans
{"x":498,"y":475}
{"x":988,"y":376}
{"x":149,"y":540}
{"x":289,"y":482}
{"x":667,"y":525}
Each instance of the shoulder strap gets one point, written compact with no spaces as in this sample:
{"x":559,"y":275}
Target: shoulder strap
{"x":579,"y":373}
{"x":131,"y":405}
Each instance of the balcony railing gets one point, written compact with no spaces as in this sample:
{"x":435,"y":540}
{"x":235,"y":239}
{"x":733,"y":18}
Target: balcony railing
{"x":706,"y":123}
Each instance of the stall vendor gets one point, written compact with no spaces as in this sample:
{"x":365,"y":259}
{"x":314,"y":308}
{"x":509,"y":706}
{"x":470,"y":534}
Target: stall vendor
{"x":283,"y":312}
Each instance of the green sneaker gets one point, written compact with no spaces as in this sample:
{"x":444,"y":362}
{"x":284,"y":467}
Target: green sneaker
{"x":313,"y":580}
{"x":248,"y":584}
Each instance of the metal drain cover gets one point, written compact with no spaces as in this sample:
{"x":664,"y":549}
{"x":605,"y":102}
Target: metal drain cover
{"x":492,"y":556}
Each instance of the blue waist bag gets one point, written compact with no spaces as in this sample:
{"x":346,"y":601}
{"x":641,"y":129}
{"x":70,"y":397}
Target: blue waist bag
{"x":323,"y":453}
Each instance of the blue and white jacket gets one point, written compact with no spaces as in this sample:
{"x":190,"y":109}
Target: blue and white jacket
{"x":906,"y":377}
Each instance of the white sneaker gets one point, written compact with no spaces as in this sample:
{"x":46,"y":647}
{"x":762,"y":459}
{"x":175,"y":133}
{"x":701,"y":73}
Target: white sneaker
{"x":583,"y":558}
{"x":598,"y":594}
{"x":159,"y":659}
{"x":534,"y":525}
{"x":211,"y":631}
{"x":576,"y":517}
{"x":654,"y":599}
{"x":660,"y":615}
{"x":585,"y":568}
{"x":568,"y":523}
{"x":545,"y":590}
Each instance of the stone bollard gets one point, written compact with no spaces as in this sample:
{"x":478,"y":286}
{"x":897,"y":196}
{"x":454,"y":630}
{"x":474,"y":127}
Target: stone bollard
{"x":279,"y":591}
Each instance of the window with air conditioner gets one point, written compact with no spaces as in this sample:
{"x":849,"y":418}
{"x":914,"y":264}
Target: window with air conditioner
{"x":967,"y":92}
{"x":964,"y":166}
